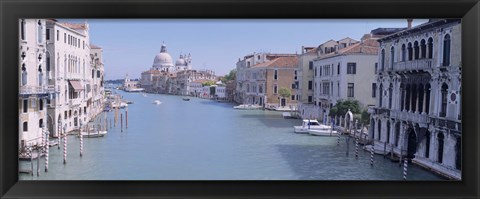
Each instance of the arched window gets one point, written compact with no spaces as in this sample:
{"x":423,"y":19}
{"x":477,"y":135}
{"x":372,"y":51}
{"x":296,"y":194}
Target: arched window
{"x":416,"y":49}
{"x":380,"y":96}
{"x":430,"y":48}
{"x":402,"y":97}
{"x":427,"y":144}
{"x":414,"y":98}
{"x":24,"y":75}
{"x":390,"y":95}
{"x":440,"y":147}
{"x":404,"y":52}
{"x":443,"y":108}
{"x":397,"y":133}
{"x":423,"y":49}
{"x":392,"y":57}
{"x":407,"y":97}
{"x":25,"y":126}
{"x":388,"y":131}
{"x":39,"y":32}
{"x":40,"y":123}
{"x":383,"y":60}
{"x":410,"y":53}
{"x":446,"y":50}
{"x":22,"y":29}
{"x":40,"y":75}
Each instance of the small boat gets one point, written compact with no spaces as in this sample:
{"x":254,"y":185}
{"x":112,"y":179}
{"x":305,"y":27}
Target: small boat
{"x":157,"y":102}
{"x":307,"y":125}
{"x":327,"y":131}
{"x":93,"y":134}
{"x":144,"y":95}
{"x":128,"y":102}
{"x":186,"y":99}
{"x":119,"y":105}
{"x":247,"y":106}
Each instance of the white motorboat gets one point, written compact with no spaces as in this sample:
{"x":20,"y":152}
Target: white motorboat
{"x":307,"y":125}
{"x":327,"y":131}
{"x":247,"y":106}
{"x":157,"y":102}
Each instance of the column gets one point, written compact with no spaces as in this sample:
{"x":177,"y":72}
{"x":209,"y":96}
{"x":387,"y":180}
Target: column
{"x":424,"y":102}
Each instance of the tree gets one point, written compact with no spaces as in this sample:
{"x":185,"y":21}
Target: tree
{"x":208,"y":83}
{"x":232,"y":75}
{"x":284,"y":92}
{"x":341,"y":108}
{"x":365,"y":119}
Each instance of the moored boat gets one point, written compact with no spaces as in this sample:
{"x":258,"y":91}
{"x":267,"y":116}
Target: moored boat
{"x":157,"y":102}
{"x":186,"y":99}
{"x":247,"y":106}
{"x":307,"y":125}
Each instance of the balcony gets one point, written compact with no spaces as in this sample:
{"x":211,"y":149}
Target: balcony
{"x":36,"y":90}
{"x":409,"y":116}
{"x":421,"y":64}
{"x":75,"y":102}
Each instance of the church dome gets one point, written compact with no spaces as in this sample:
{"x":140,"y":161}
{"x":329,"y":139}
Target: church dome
{"x":162,"y":59}
{"x":181,"y":62}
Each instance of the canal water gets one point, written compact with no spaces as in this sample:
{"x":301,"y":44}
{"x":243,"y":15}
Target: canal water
{"x":206,"y":140}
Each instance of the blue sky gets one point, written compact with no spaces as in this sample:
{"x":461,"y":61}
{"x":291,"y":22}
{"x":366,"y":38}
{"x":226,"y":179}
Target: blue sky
{"x":130,"y":45}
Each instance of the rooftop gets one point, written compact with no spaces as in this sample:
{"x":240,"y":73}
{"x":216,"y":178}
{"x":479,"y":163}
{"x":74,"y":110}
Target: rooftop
{"x":281,"y":62}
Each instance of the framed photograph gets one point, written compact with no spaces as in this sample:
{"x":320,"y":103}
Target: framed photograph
{"x":239,"y":99}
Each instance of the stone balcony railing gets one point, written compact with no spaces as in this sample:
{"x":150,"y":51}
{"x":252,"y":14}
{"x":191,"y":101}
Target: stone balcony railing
{"x":409,"y":116}
{"x":73,"y":102}
{"x":36,"y":90}
{"x":421,"y":64}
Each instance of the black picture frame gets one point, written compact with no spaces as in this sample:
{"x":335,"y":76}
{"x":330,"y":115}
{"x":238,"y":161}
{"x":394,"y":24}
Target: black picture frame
{"x":11,"y":11}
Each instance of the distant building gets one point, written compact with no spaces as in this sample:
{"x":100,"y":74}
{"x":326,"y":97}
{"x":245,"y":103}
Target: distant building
{"x":418,"y":107}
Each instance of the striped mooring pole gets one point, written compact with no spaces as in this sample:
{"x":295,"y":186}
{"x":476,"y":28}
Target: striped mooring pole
{"x":405,"y":167}
{"x":338,"y":138}
{"x":47,"y":149}
{"x":65,"y":149}
{"x":371,"y":155}
{"x":81,"y":144}
{"x":356,"y":148}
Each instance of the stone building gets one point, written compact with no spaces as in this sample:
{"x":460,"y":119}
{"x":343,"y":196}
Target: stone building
{"x":96,"y":97}
{"x":264,"y":80}
{"x":418,"y":109}
{"x":345,"y":73}
{"x":244,"y":76}
{"x":34,"y":73}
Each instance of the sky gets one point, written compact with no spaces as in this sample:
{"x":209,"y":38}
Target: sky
{"x":130,"y":45}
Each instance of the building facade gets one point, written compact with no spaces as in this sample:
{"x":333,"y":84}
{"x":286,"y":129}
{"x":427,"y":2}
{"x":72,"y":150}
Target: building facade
{"x":418,"y":109}
{"x":345,"y":73}
{"x":34,"y":90}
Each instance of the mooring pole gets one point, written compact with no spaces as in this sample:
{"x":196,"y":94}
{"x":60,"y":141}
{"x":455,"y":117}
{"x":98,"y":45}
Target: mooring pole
{"x":371,"y":155}
{"x":356,"y":148}
{"x":405,"y":167}
{"x":121,"y":122}
{"x":126,"y":118}
{"x":64,"y":145}
{"x":47,"y":149}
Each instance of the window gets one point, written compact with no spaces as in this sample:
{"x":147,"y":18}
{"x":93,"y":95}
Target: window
{"x":430,"y":48}
{"x":40,"y":104}
{"x":58,"y":35}
{"x":351,"y":68}
{"x":39,"y":32}
{"x":85,"y":110}
{"x":22,"y":29}
{"x":446,"y":50}
{"x":350,"y":91}
{"x":409,"y":49}
{"x":338,"y":89}
{"x":293,"y":86}
{"x":315,"y":74}
{"x":404,"y":53}
{"x":443,"y":109}
{"x":98,"y":74}
{"x":423,"y":49}
{"x":275,"y":89}
{"x":25,"y":126}
{"x":275,"y":76}
{"x":320,"y":71}
{"x":40,"y":123}
{"x":338,"y":69}
{"x":374,"y":89}
{"x":64,"y":37}
{"x":392,"y":57}
{"x":48,"y":62}
{"x":310,"y":85}
{"x":380,"y":95}
{"x":293,"y":97}
{"x":24,"y":75}
{"x":440,"y":147}
{"x":25,"y":105}
{"x":47,"y":34}
{"x":376,"y":68}
{"x":390,"y":96}
{"x":382,"y":59}
{"x":65,"y":115}
{"x":416,"y":49}
{"x":310,"y":99}
{"x":310,"y":65}
{"x":93,"y":74}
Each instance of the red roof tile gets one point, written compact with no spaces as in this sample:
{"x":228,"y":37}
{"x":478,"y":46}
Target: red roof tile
{"x":281,"y":62}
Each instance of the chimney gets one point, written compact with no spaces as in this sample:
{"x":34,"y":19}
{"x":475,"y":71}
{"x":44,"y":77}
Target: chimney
{"x":409,"y":23}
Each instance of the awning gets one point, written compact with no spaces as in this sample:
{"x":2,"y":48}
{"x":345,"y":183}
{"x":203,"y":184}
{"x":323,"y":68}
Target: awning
{"x":76,"y":85}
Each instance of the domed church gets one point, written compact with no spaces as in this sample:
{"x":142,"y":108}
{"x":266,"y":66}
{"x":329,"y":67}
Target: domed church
{"x":163,"y":62}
